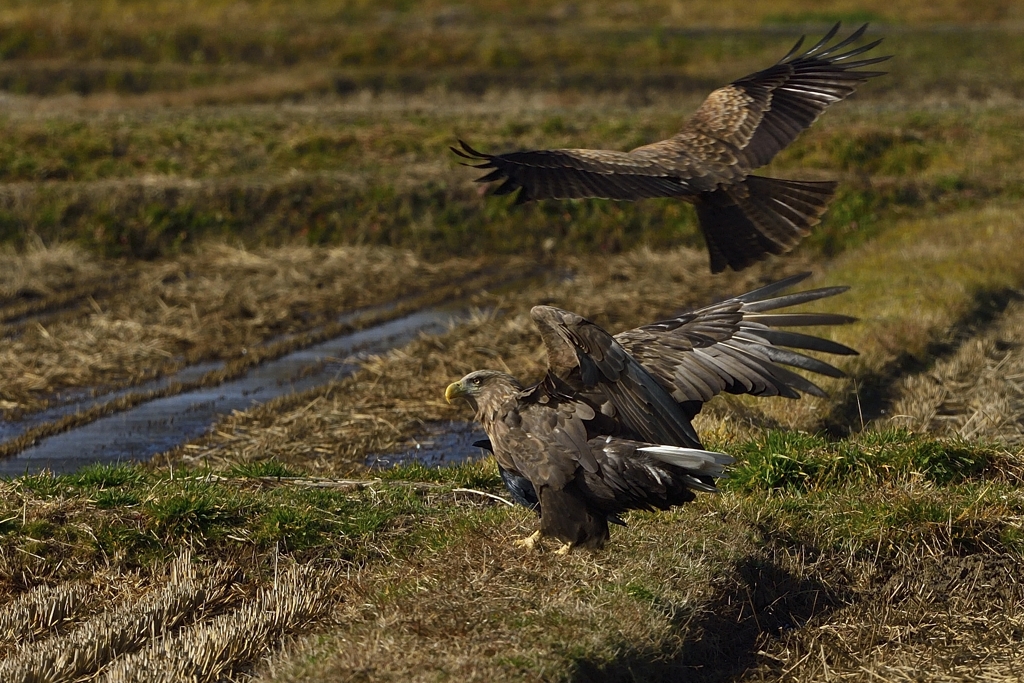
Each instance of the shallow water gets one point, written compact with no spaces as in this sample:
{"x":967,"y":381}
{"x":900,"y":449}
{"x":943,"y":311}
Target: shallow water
{"x":71,"y":402}
{"x":75,"y":401}
{"x":439,"y":444}
{"x":159,"y":425}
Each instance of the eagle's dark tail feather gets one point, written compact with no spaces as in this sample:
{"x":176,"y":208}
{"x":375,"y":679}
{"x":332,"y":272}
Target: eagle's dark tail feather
{"x":745,"y":222}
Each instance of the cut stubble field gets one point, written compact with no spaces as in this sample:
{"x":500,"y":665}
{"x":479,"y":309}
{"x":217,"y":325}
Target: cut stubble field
{"x":175,"y":195}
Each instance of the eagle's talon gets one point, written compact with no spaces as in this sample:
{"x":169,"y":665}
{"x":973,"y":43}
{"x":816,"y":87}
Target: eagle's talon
{"x":530,"y":542}
{"x":564,"y":550}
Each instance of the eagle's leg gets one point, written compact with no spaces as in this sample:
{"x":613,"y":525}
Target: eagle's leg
{"x":564,"y":550}
{"x":530,"y":542}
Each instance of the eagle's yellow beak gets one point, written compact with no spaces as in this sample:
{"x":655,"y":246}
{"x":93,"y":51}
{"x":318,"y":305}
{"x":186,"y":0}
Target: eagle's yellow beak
{"x":454,"y":390}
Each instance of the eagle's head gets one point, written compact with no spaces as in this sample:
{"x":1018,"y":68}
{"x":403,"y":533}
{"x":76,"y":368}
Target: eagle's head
{"x":483,"y":388}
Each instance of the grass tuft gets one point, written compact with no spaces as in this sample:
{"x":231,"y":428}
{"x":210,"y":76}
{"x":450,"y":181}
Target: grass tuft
{"x":264,"y":468}
{"x":101,"y":476}
{"x":196,"y":511}
{"x":474,"y":474}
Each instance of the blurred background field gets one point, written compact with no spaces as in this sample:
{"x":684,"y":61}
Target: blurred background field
{"x":207,"y":187}
{"x":140,"y":128}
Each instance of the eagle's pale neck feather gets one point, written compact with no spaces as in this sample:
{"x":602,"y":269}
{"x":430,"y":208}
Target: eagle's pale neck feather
{"x":495,"y":399}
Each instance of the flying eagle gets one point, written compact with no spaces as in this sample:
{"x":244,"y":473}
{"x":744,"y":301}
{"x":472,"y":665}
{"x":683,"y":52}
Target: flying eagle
{"x":737,"y":129}
{"x":609,"y":428}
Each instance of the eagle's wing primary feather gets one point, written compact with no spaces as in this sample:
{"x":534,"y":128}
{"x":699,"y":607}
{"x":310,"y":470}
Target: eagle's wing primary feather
{"x":732,"y":347}
{"x":579,"y":174}
{"x":641,"y":476}
{"x":755,"y":117}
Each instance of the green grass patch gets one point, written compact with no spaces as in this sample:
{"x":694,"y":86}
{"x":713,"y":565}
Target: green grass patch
{"x":263,"y":468}
{"x":795,"y":461}
{"x":881,"y":491}
{"x":196,"y":511}
{"x":888,"y":521}
{"x":135,"y":517}
{"x":103,"y":477}
{"x":475,"y":474}
{"x":807,"y":488}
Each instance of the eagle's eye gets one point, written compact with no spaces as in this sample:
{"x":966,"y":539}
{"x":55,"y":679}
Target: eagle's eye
{"x":475,"y":381}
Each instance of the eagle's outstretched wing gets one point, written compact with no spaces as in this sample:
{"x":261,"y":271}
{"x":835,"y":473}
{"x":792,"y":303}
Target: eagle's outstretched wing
{"x":655,"y":378}
{"x":586,"y":173}
{"x":757,"y":116}
{"x":733,"y":346}
{"x":739,"y":127}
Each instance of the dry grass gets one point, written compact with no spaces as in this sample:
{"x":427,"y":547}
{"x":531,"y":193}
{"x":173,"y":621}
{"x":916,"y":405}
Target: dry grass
{"x":41,"y":611}
{"x":265,"y":564}
{"x":697,"y":595}
{"x":219,"y":648}
{"x":948,"y":619}
{"x":90,"y":647}
{"x":40,"y":272}
{"x":909,"y":287}
{"x":482,"y":610}
{"x":214,"y":305}
{"x":976,"y":392}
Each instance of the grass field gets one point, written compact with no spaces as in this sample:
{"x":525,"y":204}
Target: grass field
{"x":187,"y":185}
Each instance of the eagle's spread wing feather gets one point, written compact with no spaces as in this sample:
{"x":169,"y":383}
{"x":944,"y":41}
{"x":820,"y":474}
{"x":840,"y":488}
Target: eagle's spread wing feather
{"x":731,"y":346}
{"x":582,"y":173}
{"x":641,"y":476}
{"x":581,"y":353}
{"x":759,"y":115}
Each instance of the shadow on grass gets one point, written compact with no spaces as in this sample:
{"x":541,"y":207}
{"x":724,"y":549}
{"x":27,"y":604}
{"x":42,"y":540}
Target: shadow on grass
{"x":875,"y":393}
{"x":763,"y":600}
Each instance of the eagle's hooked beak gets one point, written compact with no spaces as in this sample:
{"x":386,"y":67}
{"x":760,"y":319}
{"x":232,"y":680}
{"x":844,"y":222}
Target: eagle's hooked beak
{"x":454,"y":390}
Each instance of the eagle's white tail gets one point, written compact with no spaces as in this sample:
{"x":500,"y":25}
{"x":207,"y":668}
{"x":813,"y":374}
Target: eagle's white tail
{"x":708,"y":463}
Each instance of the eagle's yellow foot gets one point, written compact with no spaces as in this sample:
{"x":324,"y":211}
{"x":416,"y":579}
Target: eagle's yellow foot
{"x":564,"y":550}
{"x":530,"y":542}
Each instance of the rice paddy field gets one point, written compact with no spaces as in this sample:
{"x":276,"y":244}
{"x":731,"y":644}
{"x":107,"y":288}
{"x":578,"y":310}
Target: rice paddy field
{"x":239,"y":265}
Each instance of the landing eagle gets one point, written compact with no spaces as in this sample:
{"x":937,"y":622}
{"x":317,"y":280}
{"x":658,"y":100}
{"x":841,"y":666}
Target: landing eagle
{"x":609,"y":428}
{"x":738,"y":128}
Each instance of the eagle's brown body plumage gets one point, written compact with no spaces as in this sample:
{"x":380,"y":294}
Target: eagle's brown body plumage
{"x":608,"y":428}
{"x":737,"y":129}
